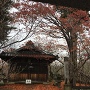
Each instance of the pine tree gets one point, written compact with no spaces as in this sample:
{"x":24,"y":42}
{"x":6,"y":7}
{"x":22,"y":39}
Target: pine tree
{"x":5,"y":19}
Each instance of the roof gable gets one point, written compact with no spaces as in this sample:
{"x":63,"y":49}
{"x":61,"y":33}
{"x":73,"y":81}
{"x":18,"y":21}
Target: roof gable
{"x":29,"y":48}
{"x":30,"y":51}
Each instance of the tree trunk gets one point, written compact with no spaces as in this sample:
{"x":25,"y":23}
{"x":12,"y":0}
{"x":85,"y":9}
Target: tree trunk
{"x":73,"y":59}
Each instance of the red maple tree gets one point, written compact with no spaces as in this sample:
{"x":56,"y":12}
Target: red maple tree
{"x":58,"y":22}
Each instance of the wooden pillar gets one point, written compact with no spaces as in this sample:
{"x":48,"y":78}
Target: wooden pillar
{"x":67,"y":85}
{"x":49,"y":72}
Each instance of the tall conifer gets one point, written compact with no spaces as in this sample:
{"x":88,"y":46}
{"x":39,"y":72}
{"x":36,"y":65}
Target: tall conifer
{"x":5,"y":19}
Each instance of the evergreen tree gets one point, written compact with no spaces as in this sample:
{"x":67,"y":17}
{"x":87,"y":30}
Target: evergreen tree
{"x":5,"y":19}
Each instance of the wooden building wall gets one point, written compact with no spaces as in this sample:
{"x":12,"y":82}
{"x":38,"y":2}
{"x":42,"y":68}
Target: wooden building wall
{"x":36,"y":70}
{"x":27,"y":65}
{"x":23,"y":77}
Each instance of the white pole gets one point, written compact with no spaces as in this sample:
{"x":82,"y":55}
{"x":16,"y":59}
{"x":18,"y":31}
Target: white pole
{"x":67,"y":85}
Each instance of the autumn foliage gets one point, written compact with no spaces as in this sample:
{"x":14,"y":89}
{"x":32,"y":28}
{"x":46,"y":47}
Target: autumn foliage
{"x":30,"y":87}
{"x":58,"y":22}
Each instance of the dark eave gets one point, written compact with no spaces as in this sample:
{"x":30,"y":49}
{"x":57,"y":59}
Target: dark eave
{"x":79,"y":4}
{"x":44,"y":56}
{"x":37,"y":56}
